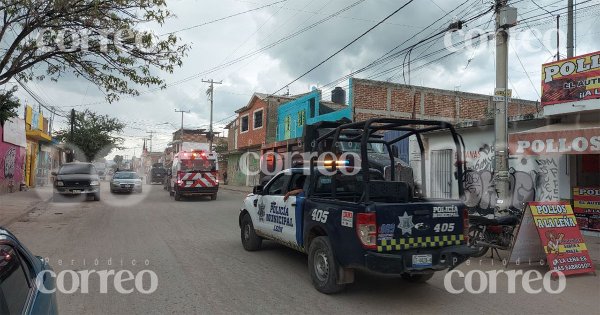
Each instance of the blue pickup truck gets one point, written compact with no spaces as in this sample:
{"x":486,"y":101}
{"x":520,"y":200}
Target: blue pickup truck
{"x":347,"y":215}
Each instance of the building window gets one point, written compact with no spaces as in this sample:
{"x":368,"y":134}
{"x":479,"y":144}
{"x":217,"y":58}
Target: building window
{"x":312,"y":107}
{"x":301,"y":118}
{"x":258,"y":119}
{"x":244,"y":124}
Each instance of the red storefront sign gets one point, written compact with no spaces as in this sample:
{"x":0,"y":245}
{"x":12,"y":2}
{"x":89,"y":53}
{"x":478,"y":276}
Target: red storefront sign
{"x":586,"y":202}
{"x":571,"y":80}
{"x":560,"y":236}
{"x":556,"y":139}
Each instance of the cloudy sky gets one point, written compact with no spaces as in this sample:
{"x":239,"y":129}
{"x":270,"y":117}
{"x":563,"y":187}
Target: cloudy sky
{"x":298,"y":34}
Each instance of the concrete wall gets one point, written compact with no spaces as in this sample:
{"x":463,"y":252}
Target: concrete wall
{"x":542,"y":178}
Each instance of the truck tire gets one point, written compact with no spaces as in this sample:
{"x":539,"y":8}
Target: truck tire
{"x":97,"y":197}
{"x":417,"y":278}
{"x":177,"y":195}
{"x":213,"y":197}
{"x":250,"y":240}
{"x":476,"y":234}
{"x":322,"y":266}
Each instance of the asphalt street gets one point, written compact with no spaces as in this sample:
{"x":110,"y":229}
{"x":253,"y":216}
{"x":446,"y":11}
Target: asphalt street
{"x":194,"y":248}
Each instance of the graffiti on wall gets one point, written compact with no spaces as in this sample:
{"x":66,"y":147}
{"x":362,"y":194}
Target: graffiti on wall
{"x":547,"y":179}
{"x":10,"y":158}
{"x":531,"y":181}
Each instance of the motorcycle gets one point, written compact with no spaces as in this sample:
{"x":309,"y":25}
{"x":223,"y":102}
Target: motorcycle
{"x":497,"y":233}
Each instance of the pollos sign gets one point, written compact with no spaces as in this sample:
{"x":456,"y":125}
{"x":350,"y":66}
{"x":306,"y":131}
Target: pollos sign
{"x":581,"y":141}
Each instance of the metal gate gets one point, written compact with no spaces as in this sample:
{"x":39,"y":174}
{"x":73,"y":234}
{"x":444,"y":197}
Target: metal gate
{"x":441,"y":174}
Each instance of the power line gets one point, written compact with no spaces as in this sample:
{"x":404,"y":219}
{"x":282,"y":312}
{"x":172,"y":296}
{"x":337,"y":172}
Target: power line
{"x":346,"y":46}
{"x":223,"y":18}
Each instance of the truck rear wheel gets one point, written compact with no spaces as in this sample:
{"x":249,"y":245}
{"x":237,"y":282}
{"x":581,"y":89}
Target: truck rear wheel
{"x":177,"y":195}
{"x":417,"y":278}
{"x":250,"y":240}
{"x":213,"y":197}
{"x":322,"y":266}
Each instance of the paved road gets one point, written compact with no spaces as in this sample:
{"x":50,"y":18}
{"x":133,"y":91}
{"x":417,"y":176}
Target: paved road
{"x":194,"y":248}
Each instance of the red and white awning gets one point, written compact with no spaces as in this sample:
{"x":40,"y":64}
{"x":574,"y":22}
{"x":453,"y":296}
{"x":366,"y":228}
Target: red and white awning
{"x":581,"y":138}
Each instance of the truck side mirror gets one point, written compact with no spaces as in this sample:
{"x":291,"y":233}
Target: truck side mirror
{"x":53,"y":174}
{"x":258,"y":190}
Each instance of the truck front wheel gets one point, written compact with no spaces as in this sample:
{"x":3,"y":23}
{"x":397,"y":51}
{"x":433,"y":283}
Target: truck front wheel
{"x":250,"y":240}
{"x":322,"y":267}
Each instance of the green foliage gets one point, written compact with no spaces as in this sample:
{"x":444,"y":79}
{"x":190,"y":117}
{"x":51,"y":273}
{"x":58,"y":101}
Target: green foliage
{"x":94,"y":136}
{"x":99,"y":40}
{"x":118,"y":159}
{"x":8,"y":105}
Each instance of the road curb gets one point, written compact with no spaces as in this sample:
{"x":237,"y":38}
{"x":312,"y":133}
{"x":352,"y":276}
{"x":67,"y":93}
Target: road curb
{"x":236,"y":190}
{"x":26,"y":212}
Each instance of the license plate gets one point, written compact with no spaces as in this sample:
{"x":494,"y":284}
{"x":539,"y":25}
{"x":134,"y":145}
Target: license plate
{"x":76,"y":192}
{"x":422,"y":260}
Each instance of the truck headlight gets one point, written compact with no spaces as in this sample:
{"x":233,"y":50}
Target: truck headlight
{"x":95,"y":183}
{"x":116,"y":183}
{"x":60,"y":183}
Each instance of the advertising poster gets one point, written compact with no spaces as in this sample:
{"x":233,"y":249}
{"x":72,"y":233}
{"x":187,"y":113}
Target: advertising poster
{"x":560,"y":236}
{"x":571,"y":80}
{"x":527,"y":247}
{"x":586,"y":201}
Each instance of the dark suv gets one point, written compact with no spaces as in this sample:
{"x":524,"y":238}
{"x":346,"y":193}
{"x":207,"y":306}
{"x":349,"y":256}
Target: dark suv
{"x":77,"y":179}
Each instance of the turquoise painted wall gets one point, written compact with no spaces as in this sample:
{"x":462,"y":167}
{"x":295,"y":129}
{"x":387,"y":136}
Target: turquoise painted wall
{"x":292,"y":116}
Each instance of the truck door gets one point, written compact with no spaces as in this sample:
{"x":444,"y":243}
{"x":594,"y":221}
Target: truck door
{"x":276,"y":218}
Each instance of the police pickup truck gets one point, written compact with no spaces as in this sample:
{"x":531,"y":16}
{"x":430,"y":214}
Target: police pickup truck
{"x":347,"y":217}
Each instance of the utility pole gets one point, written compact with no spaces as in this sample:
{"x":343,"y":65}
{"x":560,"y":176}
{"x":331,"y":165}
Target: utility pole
{"x":558,"y":37}
{"x":211,"y":90}
{"x":181,"y":132}
{"x":151,"y":133}
{"x":570,"y":30}
{"x":505,"y":18}
{"x":71,"y":155}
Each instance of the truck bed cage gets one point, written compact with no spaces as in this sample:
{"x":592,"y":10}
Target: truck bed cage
{"x":369,"y":131}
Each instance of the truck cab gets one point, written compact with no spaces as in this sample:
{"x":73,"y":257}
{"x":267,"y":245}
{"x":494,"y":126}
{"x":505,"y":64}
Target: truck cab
{"x":194,"y":173}
{"x":347,"y":215}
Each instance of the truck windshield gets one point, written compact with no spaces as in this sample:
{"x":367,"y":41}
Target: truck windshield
{"x":69,"y":169}
{"x":199,"y":165}
{"x":355,"y":147}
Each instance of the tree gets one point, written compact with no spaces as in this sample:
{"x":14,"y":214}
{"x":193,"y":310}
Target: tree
{"x":118,"y":159}
{"x":94,"y":39}
{"x":93,"y":137}
{"x":8,"y":105}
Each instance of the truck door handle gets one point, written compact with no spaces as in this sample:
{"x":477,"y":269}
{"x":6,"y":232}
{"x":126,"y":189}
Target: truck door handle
{"x":293,"y":204}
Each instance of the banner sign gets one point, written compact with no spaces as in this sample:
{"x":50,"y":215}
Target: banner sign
{"x":575,"y":141}
{"x":586,"y":202}
{"x":14,"y":132}
{"x":560,"y":236}
{"x":571,"y":80}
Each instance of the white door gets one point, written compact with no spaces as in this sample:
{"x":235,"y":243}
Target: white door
{"x":276,"y":217}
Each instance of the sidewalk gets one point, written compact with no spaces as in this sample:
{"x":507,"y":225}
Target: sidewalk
{"x":14,"y":206}
{"x":243,"y":189}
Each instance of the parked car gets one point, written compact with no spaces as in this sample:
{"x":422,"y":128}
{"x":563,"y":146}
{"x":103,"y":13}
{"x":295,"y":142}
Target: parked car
{"x":77,"y":179}
{"x":126,"y":181}
{"x":19,"y":269}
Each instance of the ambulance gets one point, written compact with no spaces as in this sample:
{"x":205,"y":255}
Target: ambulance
{"x":194,"y":173}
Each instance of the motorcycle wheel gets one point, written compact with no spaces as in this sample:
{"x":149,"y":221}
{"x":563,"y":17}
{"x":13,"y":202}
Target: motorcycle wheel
{"x":476,"y":234}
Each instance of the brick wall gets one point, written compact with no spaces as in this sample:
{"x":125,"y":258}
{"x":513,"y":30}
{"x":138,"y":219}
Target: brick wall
{"x":383,"y":99}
